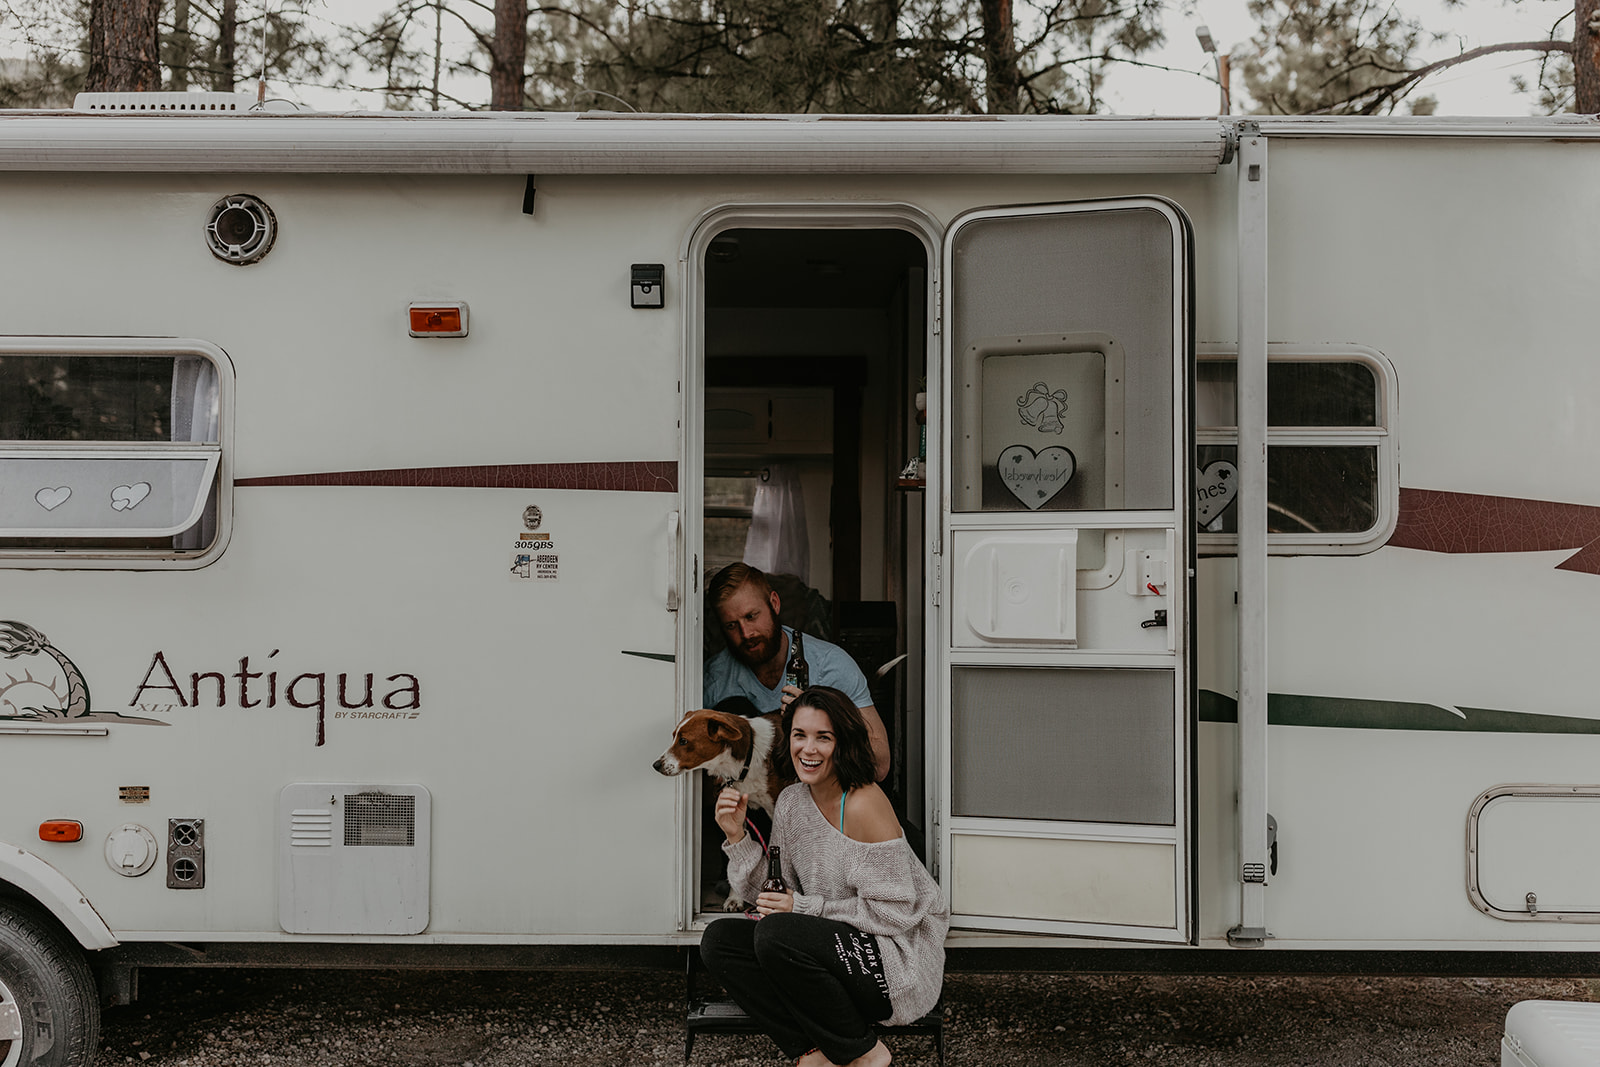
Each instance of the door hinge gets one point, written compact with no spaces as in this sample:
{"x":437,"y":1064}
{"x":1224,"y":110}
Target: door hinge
{"x":938,"y":579}
{"x":933,"y":849}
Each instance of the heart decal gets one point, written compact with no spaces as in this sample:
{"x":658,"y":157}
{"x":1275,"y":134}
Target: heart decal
{"x":1035,"y":477}
{"x":1214,"y":490}
{"x":50,"y":499}
{"x":126,"y":497}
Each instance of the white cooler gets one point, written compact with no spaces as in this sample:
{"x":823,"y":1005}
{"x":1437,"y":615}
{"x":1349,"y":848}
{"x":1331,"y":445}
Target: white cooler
{"x":1551,"y":1033}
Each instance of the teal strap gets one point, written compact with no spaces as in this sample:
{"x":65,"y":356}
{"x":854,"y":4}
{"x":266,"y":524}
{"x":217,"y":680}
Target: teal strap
{"x":841,"y":809}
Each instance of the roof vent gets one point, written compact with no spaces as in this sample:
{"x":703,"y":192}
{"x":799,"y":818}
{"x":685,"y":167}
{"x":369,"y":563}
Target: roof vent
{"x":164,"y":102}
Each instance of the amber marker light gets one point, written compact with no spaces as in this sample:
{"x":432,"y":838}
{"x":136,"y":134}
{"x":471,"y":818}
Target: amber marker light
{"x":438,"y":320}
{"x":61,"y":830}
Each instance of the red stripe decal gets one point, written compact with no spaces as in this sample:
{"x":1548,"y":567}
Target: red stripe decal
{"x":1467,"y":522}
{"x":615,"y":477}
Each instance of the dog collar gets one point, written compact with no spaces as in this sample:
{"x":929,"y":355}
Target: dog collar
{"x":743,"y":770}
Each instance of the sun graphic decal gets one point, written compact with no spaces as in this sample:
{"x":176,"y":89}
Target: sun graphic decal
{"x":51,"y":687}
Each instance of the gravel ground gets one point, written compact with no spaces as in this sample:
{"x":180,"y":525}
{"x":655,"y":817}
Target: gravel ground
{"x":209,"y":1018}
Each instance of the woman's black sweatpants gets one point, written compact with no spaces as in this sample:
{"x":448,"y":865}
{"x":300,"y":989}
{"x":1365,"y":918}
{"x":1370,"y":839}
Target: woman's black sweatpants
{"x":811,"y":983}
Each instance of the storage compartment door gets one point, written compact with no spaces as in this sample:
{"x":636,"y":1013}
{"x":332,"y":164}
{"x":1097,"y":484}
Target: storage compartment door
{"x":1064,"y":570}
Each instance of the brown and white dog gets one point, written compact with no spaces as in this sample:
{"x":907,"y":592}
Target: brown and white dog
{"x":732,"y":748}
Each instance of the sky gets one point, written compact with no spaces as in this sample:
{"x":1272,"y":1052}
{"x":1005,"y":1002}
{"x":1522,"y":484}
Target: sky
{"x":1482,"y":87}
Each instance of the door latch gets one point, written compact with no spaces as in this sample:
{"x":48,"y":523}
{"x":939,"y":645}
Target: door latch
{"x":1159,"y":620}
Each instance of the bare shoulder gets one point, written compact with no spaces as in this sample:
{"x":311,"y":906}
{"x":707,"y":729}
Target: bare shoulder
{"x":869,"y":817}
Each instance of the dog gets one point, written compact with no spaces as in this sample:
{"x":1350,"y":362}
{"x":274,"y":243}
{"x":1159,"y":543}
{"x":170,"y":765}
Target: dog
{"x":738,"y":751}
{"x":734,"y":749}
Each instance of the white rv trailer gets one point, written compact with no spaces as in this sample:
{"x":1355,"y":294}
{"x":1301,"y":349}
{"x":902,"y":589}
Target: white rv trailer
{"x":362,"y":474}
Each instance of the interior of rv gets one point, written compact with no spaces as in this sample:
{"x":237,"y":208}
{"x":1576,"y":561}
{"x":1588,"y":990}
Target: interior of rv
{"x":815,"y":356}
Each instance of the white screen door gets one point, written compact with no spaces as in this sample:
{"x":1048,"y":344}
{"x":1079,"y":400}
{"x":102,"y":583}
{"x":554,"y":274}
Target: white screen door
{"x":1062,"y":627}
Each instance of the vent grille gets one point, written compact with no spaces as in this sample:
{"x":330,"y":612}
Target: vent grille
{"x":163,"y":102}
{"x":380,"y":819}
{"x":311,"y":827}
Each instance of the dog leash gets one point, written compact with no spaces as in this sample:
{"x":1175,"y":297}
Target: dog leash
{"x":757,"y":832}
{"x":750,"y":912}
{"x":743,"y":772}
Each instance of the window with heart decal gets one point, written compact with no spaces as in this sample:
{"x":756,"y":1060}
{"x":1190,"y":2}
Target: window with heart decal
{"x":1035,"y":477}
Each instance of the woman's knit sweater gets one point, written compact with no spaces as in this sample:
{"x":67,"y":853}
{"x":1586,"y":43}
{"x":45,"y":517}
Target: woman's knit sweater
{"x":878,"y":887}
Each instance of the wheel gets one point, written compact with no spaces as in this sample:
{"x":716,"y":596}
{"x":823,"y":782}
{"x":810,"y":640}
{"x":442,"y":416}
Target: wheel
{"x":47,"y":995}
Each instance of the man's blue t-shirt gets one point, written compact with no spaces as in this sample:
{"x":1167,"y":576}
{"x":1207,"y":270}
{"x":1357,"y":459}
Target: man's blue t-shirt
{"x":725,"y":676}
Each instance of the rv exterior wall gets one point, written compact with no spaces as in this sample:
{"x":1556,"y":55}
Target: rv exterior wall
{"x":512,"y":698}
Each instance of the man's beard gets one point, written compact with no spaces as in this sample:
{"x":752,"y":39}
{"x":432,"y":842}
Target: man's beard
{"x":757,"y":652}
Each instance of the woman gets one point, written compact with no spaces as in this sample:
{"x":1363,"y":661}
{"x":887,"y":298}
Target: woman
{"x":858,"y":936}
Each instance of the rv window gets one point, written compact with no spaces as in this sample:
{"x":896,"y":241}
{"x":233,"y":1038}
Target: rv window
{"x":1310,"y":490}
{"x":112,"y":452}
{"x":1331,"y":479}
{"x":1299,"y":393}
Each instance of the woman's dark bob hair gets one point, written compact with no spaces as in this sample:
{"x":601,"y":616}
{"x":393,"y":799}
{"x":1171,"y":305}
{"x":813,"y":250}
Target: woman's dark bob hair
{"x":852,"y":746}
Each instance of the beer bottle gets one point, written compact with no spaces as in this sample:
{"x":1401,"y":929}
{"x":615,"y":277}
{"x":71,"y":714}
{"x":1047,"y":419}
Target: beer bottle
{"x":774,"y":882}
{"x":798,"y":672}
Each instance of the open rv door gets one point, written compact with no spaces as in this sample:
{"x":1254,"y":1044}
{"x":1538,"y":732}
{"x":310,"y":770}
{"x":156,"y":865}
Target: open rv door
{"x":1064,"y":578}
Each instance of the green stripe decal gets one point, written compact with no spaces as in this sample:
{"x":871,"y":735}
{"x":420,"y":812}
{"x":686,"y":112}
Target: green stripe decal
{"x":1341,"y":713}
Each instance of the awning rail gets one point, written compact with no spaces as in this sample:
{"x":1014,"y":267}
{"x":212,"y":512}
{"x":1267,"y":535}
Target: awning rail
{"x":604,"y":143}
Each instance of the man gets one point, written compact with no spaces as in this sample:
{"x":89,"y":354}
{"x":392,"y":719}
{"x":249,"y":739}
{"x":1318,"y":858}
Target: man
{"x":758,"y":650}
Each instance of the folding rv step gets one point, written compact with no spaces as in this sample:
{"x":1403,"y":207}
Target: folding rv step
{"x":713,"y":1014}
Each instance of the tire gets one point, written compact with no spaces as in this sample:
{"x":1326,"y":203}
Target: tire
{"x":46,"y":980}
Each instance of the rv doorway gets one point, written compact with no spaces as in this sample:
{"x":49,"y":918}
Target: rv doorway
{"x":815,"y":348}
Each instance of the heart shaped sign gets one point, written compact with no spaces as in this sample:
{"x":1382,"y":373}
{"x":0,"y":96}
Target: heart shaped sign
{"x":1035,"y":477}
{"x":1214,"y":490}
{"x":125,"y":497}
{"x":50,"y":499}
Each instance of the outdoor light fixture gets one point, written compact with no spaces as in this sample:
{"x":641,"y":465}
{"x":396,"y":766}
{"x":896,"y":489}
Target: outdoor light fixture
{"x":1207,"y":44}
{"x":649,"y":280}
{"x":438,"y":319}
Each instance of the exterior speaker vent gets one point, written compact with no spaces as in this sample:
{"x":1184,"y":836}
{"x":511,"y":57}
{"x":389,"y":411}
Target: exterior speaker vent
{"x":380,"y":819}
{"x":241,"y":229}
{"x":330,"y":878}
{"x":186,"y":853}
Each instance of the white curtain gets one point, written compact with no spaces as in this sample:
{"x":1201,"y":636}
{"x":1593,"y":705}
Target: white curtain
{"x":777,"y":541}
{"x":195,"y":399}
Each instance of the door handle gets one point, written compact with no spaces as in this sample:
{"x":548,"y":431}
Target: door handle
{"x":674,"y":542}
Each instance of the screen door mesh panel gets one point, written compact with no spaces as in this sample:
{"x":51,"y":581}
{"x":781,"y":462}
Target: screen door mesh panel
{"x":380,"y":819}
{"x":1063,"y":743}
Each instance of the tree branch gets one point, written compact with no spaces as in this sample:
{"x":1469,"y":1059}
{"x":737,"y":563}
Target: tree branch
{"x":1397,"y":89}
